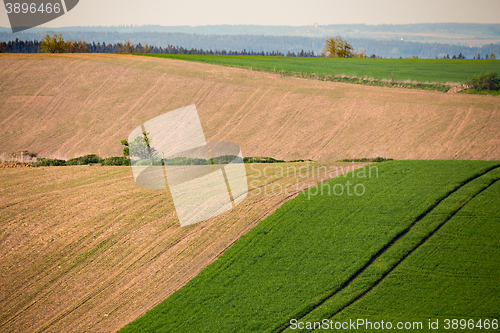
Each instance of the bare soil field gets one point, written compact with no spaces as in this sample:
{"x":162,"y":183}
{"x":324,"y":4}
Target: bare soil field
{"x":83,"y":249}
{"x":69,"y":105}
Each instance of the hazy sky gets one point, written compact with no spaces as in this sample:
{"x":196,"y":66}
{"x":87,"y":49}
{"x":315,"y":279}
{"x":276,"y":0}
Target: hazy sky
{"x":273,"y":12}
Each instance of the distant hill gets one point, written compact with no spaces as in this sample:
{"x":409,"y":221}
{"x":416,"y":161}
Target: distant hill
{"x":387,"y":48}
{"x":470,"y":34}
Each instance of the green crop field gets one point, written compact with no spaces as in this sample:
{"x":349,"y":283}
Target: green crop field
{"x":460,"y":280}
{"x":397,"y":241}
{"x":415,"y":70}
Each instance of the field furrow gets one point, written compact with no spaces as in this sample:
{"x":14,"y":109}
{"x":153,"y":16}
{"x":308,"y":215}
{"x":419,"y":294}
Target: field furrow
{"x":402,"y":246}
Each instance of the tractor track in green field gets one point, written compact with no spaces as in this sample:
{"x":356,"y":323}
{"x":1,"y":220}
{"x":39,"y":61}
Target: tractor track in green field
{"x":413,"y":250}
{"x":282,"y":327}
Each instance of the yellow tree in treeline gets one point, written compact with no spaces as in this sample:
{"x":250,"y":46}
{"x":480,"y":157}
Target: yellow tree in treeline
{"x":54,"y":44}
{"x":337,"y":47}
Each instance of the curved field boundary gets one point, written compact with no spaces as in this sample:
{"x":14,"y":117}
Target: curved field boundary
{"x":438,"y":73}
{"x":83,"y":249}
{"x":398,"y":249}
{"x":310,"y":247}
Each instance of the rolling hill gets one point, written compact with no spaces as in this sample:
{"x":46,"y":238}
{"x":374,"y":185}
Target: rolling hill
{"x":69,"y":105}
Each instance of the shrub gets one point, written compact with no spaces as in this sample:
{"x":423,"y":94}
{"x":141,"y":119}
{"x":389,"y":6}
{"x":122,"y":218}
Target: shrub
{"x":184,"y":161}
{"x":261,"y":160}
{"x":116,"y":161}
{"x":364,"y":159}
{"x":485,"y":81}
{"x":49,"y":162}
{"x":226,"y":159}
{"x":84,"y":160}
{"x":126,"y":150}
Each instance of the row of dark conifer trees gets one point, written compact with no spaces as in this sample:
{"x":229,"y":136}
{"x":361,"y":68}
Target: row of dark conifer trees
{"x":18,"y":46}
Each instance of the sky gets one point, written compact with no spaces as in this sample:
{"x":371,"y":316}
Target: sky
{"x":272,"y":12}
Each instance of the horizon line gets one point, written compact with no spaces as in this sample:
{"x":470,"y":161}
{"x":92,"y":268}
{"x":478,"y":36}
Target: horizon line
{"x":256,"y":25}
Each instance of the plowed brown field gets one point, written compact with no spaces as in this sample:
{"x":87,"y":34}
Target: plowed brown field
{"x":70,"y":105}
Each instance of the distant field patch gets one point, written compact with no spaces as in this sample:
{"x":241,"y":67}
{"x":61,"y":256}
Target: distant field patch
{"x":413,"y":70}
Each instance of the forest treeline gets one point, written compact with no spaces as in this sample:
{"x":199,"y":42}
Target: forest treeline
{"x":34,"y":46}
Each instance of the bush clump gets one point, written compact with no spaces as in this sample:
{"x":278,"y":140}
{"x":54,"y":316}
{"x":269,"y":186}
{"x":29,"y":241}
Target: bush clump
{"x":49,"y":162}
{"x":125,"y":161}
{"x":116,"y":161}
{"x":261,"y":160}
{"x":85,"y":160}
{"x":364,"y":159}
{"x":485,"y":81}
